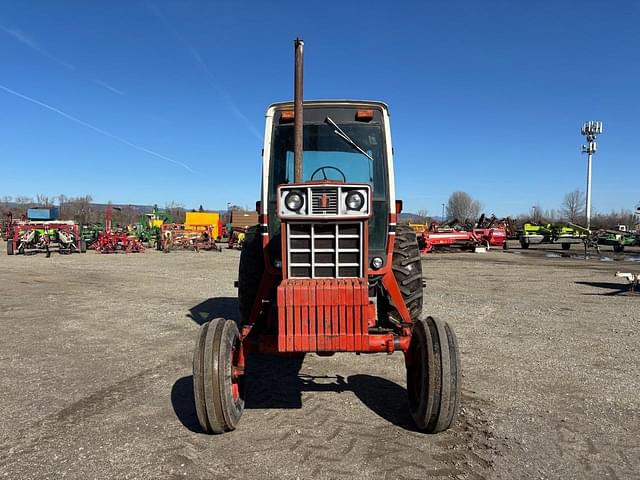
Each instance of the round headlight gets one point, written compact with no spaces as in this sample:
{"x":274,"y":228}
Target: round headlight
{"x":294,"y":201}
{"x":354,"y":200}
{"x":376,"y":263}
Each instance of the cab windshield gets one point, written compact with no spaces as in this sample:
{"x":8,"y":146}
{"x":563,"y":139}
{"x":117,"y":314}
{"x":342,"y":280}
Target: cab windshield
{"x":328,"y":156}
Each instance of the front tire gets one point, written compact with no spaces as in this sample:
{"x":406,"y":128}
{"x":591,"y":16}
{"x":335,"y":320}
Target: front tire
{"x":433,"y":375}
{"x":566,"y":246}
{"x":9,"y":247}
{"x":218,"y":389}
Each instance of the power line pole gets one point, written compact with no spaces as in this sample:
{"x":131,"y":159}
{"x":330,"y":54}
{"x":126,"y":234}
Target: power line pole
{"x":590,"y":130}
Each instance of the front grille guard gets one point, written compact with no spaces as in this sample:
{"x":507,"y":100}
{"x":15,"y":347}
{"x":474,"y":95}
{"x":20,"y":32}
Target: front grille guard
{"x":309,"y":245}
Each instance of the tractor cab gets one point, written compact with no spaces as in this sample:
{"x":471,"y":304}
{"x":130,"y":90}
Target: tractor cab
{"x":327,"y":269}
{"x":346,"y":178}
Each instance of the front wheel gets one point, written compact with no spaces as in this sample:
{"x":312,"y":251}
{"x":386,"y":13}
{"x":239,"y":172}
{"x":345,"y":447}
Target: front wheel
{"x":218,"y":385}
{"x":618,"y":248}
{"x":566,"y":246}
{"x":433,"y":375}
{"x":9,"y":247}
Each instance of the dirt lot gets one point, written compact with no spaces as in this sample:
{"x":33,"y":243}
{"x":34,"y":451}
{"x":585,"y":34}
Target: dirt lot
{"x":95,"y":375}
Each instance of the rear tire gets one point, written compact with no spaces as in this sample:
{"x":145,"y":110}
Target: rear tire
{"x":407,"y":268}
{"x":618,"y":248}
{"x":9,"y":247}
{"x":433,"y":375}
{"x":250,"y":272}
{"x":566,"y":246}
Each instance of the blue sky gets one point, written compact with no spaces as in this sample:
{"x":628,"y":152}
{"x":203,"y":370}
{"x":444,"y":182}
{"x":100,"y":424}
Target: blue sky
{"x":164,"y":101}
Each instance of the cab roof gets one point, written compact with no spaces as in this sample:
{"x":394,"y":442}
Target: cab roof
{"x":332,"y":103}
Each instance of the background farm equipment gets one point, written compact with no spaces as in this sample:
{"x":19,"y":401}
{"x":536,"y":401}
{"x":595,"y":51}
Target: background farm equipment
{"x":149,"y":226}
{"x":563,"y":234}
{"x":236,"y":238}
{"x":8,"y":223}
{"x":617,"y":239}
{"x":493,"y":232}
{"x":437,"y":237}
{"x":90,"y":233}
{"x":117,"y":242}
{"x":188,"y":237}
{"x":111,"y":241}
{"x":45,"y":236}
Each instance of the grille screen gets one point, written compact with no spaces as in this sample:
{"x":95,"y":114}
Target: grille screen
{"x":316,"y":250}
{"x":324,"y":201}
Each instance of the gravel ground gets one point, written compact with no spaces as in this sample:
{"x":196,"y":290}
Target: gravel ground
{"x":95,"y":375}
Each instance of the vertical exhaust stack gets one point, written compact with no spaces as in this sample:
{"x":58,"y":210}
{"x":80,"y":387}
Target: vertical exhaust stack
{"x":298,"y":110}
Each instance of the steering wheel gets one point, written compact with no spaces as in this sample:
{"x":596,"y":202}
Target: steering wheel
{"x":324,"y":173}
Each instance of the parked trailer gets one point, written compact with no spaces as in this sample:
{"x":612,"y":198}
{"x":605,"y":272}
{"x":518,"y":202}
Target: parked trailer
{"x":45,"y":236}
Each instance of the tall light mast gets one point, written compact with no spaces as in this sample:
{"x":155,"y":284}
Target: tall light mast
{"x":590,"y":130}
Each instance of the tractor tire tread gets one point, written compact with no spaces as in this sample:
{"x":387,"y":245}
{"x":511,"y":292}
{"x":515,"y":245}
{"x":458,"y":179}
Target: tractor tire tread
{"x":407,"y":269}
{"x":250,"y":272}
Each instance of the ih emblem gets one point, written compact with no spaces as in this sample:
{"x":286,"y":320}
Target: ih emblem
{"x":325,"y":201}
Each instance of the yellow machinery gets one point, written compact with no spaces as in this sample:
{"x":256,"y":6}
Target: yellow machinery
{"x":196,"y":220}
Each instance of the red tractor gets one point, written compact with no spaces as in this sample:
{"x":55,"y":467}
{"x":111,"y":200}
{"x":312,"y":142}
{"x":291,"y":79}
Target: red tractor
{"x":328,"y":269}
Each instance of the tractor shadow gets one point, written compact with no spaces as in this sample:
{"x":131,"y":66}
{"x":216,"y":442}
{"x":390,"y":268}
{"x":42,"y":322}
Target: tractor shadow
{"x":275,"y":382}
{"x":225,"y":307}
{"x":616,"y":288}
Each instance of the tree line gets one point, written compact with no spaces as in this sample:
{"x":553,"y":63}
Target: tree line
{"x":83,"y":210}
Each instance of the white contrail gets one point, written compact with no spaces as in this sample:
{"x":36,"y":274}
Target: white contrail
{"x":107,"y":86}
{"x":27,"y":40}
{"x":96,"y":129}
{"x":197,"y":59}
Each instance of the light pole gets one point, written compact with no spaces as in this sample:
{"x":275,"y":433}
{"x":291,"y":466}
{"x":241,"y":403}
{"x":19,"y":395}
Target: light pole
{"x":590,"y":130}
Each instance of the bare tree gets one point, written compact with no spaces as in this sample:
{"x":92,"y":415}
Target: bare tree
{"x":423,"y":214}
{"x":463,"y":207}
{"x":6,"y":199}
{"x":573,"y":206}
{"x":176,"y":210}
{"x":22,"y":201}
{"x":43,"y":200}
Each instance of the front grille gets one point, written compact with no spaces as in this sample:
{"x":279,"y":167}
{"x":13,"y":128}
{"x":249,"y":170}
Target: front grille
{"x":324,"y":201}
{"x":320,"y":250}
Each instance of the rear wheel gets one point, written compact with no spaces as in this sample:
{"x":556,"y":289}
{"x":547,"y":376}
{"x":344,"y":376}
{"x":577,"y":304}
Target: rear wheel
{"x":433,"y":375}
{"x":250,"y":272}
{"x":618,"y":248}
{"x":407,"y":268}
{"x":566,"y":246}
{"x":9,"y":247}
